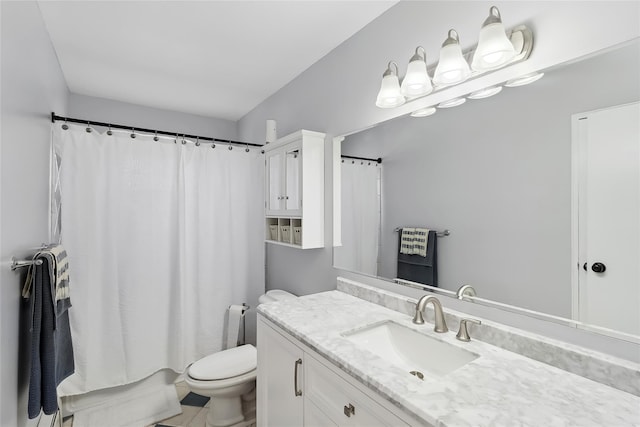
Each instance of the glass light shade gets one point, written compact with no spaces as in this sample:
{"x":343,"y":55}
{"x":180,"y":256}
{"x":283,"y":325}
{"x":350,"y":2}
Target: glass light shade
{"x":452,"y":67}
{"x":389,"y":95}
{"x":494,"y":47}
{"x":485,"y":93}
{"x":416,"y":82}
{"x":424,"y":112}
{"x":452,"y":103}
{"x":524,"y":80}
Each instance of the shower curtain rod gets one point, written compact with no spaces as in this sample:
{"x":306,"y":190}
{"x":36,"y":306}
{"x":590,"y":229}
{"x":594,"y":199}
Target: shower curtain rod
{"x":55,"y":117}
{"x":378,"y":160}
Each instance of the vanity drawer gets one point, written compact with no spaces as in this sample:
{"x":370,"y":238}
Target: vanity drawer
{"x":343,"y":403}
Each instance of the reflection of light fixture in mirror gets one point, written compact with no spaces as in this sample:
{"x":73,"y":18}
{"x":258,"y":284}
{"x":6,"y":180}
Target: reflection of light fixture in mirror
{"x":485,"y":93}
{"x":452,"y":103}
{"x":452,"y":67}
{"x":524,"y":80}
{"x":417,"y":82}
{"x":424,"y":112}
{"x":494,"y":47}
{"x":389,"y":95}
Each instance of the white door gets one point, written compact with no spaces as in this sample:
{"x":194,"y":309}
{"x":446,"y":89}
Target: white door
{"x":608,"y":205}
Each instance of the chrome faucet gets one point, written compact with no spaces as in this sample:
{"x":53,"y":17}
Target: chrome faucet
{"x":440,"y":324}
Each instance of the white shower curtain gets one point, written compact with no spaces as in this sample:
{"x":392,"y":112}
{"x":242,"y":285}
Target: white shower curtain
{"x":360,"y":218}
{"x":161,"y":238}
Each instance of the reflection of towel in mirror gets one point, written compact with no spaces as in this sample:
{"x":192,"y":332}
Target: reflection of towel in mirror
{"x":413,"y":241}
{"x":417,"y":268}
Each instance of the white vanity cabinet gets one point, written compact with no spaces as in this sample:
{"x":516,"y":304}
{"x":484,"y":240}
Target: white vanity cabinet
{"x":294,"y":190}
{"x":297,"y":387}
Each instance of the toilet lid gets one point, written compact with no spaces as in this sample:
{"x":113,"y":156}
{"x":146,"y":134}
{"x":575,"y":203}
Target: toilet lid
{"x":279,"y":294}
{"x":225,"y":364}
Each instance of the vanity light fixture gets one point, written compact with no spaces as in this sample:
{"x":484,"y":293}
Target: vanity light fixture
{"x":417,"y":82}
{"x":452,"y":67}
{"x":389,"y":95}
{"x":424,"y":112}
{"x":524,"y":80}
{"x":452,"y":103}
{"x":485,"y":93}
{"x":494,"y":47}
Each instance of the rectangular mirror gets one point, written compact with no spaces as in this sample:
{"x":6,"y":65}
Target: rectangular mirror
{"x":501,"y":174}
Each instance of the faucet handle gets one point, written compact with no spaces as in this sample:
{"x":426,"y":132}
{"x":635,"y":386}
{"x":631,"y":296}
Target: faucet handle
{"x":418,"y":319}
{"x":463,"y":332}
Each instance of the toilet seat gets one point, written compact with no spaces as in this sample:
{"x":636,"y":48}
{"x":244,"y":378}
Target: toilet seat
{"x":226,"y":364}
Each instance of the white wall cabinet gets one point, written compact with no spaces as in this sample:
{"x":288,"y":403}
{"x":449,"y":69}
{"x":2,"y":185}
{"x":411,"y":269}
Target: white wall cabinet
{"x":294,"y":190}
{"x":298,"y":387}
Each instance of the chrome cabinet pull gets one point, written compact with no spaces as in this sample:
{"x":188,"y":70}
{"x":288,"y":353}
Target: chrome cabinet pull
{"x":295,"y":378}
{"x":349,"y":410}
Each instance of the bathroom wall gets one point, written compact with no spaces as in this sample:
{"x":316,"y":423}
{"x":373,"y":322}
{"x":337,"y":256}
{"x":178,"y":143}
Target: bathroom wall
{"x":337,"y":94}
{"x":106,"y":110}
{"x":32,"y":86}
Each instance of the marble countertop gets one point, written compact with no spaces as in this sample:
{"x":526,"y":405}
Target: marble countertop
{"x":499,"y":388}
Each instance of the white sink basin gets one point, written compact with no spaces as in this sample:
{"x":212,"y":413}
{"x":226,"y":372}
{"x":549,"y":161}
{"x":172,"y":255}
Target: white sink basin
{"x":417,"y":353}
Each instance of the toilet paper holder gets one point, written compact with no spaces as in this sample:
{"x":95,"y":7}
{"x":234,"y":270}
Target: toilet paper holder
{"x":235,"y":322}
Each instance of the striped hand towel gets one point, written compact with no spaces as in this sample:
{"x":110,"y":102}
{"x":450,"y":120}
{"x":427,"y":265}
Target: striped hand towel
{"x":59,"y":271}
{"x":414,"y":241}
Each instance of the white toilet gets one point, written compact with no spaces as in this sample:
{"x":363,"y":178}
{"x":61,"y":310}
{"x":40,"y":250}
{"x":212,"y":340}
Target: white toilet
{"x":228,"y":377}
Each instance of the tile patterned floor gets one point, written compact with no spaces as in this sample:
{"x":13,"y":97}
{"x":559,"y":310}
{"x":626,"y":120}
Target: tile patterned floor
{"x":194,"y":410}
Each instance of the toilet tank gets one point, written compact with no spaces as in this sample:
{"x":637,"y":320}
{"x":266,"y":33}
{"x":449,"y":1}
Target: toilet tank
{"x":275,"y":295}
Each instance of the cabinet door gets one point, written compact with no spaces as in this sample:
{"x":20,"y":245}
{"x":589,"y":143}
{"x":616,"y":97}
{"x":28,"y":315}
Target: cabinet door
{"x":314,"y":417}
{"x":279,"y":382}
{"x":293,"y":178}
{"x":274,"y":180}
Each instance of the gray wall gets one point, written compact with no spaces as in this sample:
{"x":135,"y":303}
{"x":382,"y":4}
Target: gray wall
{"x":32,"y":87}
{"x":497,"y":173}
{"x":106,"y":110}
{"x":337,"y":94}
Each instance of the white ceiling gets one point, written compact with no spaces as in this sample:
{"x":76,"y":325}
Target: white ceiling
{"x":213,"y":58}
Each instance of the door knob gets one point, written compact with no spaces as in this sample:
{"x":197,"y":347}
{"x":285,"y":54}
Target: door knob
{"x":598,"y":267}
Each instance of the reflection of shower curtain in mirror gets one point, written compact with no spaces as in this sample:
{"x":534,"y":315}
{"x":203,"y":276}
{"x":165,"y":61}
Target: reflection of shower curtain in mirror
{"x":162,"y":238}
{"x":360,"y":218}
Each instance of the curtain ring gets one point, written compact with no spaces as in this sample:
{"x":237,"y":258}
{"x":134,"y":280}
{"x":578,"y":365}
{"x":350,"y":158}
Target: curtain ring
{"x":184,"y":141}
{"x":230,"y":147}
{"x":155,"y":138}
{"x":197,"y":141}
{"x":133,"y":133}
{"x":213,"y":145}
{"x":175,"y":141}
{"x":88,"y":129}
{"x":247,"y":149}
{"x":353,"y":162}
{"x":342,"y":160}
{"x":65,"y":126}
{"x":109,"y":132}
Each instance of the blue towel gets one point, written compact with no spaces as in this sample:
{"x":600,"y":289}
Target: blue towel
{"x":51,"y":346}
